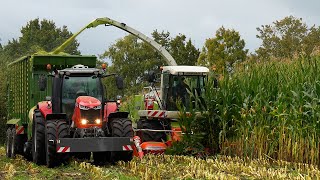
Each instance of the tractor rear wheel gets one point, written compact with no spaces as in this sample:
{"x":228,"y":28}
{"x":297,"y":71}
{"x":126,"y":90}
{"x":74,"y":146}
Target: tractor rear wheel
{"x":9,"y":142}
{"x":151,"y":135}
{"x":55,"y":130}
{"x":121,"y":127}
{"x":38,"y":138}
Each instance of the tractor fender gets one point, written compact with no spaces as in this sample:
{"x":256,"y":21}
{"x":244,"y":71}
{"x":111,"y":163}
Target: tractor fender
{"x":110,"y":107}
{"x":118,"y":115}
{"x":55,"y":116}
{"x":45,"y":108}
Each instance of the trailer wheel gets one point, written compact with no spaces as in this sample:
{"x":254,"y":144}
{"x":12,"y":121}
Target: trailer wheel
{"x":14,"y":143}
{"x":55,"y":130}
{"x":38,"y":141}
{"x":149,"y":135}
{"x":9,"y":142}
{"x":121,"y":127}
{"x":17,"y":143}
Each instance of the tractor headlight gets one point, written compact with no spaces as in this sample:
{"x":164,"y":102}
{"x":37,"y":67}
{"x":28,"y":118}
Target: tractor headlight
{"x":84,"y":121}
{"x":98,"y":121}
{"x":97,"y":107}
{"x":83,"y":107}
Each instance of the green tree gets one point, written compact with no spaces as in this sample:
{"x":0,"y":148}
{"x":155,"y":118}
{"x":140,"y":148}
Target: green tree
{"x":131,"y":57}
{"x":222,"y":51}
{"x":40,"y":35}
{"x":3,"y":95}
{"x":181,"y":49}
{"x":287,"y":38}
{"x":311,"y":43}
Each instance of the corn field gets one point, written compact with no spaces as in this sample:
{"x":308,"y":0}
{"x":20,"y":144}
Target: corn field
{"x":268,"y":110}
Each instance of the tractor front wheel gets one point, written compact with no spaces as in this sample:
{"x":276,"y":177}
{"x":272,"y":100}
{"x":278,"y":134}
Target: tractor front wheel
{"x":38,"y":141}
{"x":54,"y":130}
{"x":121,"y":127}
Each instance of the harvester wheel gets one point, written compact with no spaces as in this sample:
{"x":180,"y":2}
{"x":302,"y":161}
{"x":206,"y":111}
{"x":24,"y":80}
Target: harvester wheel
{"x":151,"y":135}
{"x":121,"y":127}
{"x":55,"y":130}
{"x":38,"y":141}
{"x":9,"y":142}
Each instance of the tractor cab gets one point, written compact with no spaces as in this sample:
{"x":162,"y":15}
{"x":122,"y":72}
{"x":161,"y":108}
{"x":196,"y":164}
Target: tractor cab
{"x":78,"y":93}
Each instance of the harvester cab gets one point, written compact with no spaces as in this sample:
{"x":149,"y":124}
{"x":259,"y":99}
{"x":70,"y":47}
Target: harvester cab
{"x":185,"y":84}
{"x":181,"y":87}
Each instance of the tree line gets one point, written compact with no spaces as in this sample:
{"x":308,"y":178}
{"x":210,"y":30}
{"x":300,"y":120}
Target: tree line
{"x":130,"y":57}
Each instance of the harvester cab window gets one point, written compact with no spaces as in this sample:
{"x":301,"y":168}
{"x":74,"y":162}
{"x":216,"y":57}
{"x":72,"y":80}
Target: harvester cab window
{"x":185,"y":88}
{"x":74,"y":86}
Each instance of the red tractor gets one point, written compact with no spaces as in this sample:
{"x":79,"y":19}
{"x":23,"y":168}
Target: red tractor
{"x":78,"y":120}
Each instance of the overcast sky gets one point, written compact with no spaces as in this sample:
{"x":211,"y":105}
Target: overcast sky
{"x":197,"y":19}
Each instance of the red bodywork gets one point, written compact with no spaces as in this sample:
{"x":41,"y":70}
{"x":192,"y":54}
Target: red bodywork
{"x":45,"y":108}
{"x":90,"y":103}
{"x":110,"y":107}
{"x":152,"y":147}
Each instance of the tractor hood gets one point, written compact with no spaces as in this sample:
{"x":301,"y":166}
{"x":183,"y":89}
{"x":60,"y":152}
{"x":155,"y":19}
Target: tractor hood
{"x":88,"y":102}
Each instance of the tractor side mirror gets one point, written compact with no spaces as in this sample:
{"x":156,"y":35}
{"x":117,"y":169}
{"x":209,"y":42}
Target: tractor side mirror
{"x":42,"y":83}
{"x":151,"y":76}
{"x":119,"y":82}
{"x":48,"y":98}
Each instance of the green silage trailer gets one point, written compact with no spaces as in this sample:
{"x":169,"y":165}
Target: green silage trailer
{"x":24,"y":91}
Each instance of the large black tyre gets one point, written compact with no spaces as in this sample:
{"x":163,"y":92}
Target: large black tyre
{"x":54,"y":130}
{"x":151,"y":135}
{"x":8,"y":142}
{"x":121,"y":127}
{"x":38,"y":139}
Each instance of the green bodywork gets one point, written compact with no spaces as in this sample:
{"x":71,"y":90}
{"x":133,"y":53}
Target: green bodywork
{"x":23,"y":91}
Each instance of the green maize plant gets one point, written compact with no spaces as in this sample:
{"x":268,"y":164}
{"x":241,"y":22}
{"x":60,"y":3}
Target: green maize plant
{"x":268,"y":109}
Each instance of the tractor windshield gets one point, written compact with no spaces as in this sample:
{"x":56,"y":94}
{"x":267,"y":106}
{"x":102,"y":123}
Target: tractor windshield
{"x":187,"y":89}
{"x":74,"y":87}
